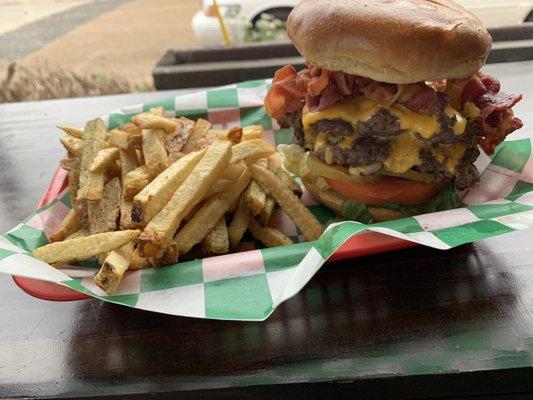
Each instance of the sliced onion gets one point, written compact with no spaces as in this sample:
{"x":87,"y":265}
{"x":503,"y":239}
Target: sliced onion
{"x":371,"y":169}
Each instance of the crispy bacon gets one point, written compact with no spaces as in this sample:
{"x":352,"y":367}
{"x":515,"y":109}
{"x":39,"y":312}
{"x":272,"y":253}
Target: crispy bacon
{"x":318,"y":83}
{"x":319,"y":89}
{"x":423,"y":99}
{"x":326,"y":99}
{"x":496,"y":118}
{"x":287,"y":92}
{"x":345,"y":82}
{"x":384,"y":94}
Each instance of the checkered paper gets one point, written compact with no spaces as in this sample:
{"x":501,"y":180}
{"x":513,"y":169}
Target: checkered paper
{"x":250,"y":284}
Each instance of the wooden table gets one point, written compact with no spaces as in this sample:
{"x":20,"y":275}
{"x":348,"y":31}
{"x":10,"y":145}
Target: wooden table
{"x":416,"y":323}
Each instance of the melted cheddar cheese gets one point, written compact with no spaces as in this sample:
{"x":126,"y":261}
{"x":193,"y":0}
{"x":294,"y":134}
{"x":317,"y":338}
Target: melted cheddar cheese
{"x":360,"y":109}
{"x":470,"y":110}
{"x":449,"y":156}
{"x":404,"y":155}
{"x":405,"y":148}
{"x":347,"y":143}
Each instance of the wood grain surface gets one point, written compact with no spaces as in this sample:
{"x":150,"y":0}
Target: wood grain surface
{"x":416,"y":323}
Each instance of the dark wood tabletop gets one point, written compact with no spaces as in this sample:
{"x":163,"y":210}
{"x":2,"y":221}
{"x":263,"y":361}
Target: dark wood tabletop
{"x":416,"y":323}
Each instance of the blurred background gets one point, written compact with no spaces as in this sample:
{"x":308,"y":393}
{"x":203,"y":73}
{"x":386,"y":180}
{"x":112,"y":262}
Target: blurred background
{"x":71,"y":48}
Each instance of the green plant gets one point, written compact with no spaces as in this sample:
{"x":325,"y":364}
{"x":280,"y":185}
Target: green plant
{"x":266,"y":29}
{"x":22,"y":84}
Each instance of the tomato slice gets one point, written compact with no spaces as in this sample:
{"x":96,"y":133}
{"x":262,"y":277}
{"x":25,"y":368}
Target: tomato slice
{"x":388,"y":190}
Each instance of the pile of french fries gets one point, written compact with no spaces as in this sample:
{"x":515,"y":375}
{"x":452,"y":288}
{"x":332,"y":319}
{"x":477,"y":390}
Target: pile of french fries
{"x":160,"y":187}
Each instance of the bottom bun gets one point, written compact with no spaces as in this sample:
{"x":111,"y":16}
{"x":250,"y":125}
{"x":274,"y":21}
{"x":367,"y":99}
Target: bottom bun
{"x":369,"y":213}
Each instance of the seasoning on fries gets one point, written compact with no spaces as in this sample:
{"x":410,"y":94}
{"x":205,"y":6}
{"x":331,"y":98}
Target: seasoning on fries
{"x":157,"y":189}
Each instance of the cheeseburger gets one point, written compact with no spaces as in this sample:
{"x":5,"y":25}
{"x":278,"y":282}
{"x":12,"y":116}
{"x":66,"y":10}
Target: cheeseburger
{"x":390,"y":113}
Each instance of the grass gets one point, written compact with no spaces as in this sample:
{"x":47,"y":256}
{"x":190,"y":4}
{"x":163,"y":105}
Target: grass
{"x":21,"y":84}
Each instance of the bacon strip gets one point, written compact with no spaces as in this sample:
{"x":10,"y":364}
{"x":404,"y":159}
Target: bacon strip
{"x":423,"y":99}
{"x":496,"y":117}
{"x":287,"y":92}
{"x":319,"y":89}
{"x":384,"y":94}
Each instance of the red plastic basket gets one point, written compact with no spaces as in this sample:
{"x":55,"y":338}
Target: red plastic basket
{"x":360,"y":245}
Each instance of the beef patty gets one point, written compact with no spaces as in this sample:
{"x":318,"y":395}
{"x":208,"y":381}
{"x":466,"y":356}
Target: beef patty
{"x":373,"y":144}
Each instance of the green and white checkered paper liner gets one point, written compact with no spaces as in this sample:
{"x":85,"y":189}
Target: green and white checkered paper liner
{"x":249,"y":285}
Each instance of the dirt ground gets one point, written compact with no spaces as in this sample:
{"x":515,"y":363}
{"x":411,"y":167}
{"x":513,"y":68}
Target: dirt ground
{"x":126,"y":42}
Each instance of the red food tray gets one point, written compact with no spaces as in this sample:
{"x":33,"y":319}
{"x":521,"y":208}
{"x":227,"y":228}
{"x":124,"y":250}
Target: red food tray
{"x":360,"y":245}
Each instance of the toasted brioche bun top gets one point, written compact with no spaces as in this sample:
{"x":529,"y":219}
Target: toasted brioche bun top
{"x":396,"y":41}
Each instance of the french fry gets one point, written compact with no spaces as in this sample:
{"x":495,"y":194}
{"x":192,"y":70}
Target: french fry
{"x":72,"y":145}
{"x":79,"y":233}
{"x":104,"y":158}
{"x":170,"y":256}
{"x":251,"y":150}
{"x":266,"y":212}
{"x":233,"y":207}
{"x":194,"y":210}
{"x":208,"y":139}
{"x":221,"y":134}
{"x":136,"y":180}
{"x":233,"y":134}
{"x":131,"y":128}
{"x":197,"y":139}
{"x":255,"y":197}
{"x":105,"y":216}
{"x":233,"y":171}
{"x":174,"y":156}
{"x":95,"y":187}
{"x":125,"y":140}
{"x":72,"y":223}
{"x":205,"y":219}
{"x":112,"y":271}
{"x":72,"y":165}
{"x":91,"y":184}
{"x":138,"y":262}
{"x":216,"y":241}
{"x":300,"y":215}
{"x":157,"y":111}
{"x":239,"y":223}
{"x":159,"y":232}
{"x":262,"y":162}
{"x":74,"y":132}
{"x":267,"y":235}
{"x":128,"y":162}
{"x":73,"y":185}
{"x":154,"y":152}
{"x":150,"y":200}
{"x":84,"y":248}
{"x":150,"y":121}
{"x":125,"y":221}
{"x":274,"y":163}
{"x":112,"y":171}
{"x":175,"y":141}
{"x":326,"y":196}
{"x":68,"y":164}
{"x":119,"y":139}
{"x":220,"y":185}
{"x":252,"y":132}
